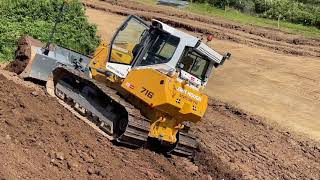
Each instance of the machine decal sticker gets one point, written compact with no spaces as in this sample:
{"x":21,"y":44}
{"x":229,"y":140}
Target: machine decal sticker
{"x":190,"y":94}
{"x":129,"y":85}
{"x":146,"y":92}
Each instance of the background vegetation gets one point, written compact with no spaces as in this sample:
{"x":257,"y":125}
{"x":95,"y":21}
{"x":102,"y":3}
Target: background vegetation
{"x":36,"y":18}
{"x":306,"y":12}
{"x":228,"y":12}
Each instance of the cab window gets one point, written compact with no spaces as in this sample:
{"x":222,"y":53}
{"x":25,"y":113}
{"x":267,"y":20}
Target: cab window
{"x":161,"y":50}
{"x":126,"y":40}
{"x":195,"y":64}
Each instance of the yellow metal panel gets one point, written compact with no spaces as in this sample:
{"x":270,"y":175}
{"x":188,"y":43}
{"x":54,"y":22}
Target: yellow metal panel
{"x":99,"y":60}
{"x":166,"y":94}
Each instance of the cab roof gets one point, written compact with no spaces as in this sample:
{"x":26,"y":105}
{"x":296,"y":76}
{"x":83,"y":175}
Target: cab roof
{"x":188,"y":40}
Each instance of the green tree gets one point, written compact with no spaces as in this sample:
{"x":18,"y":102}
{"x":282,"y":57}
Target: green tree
{"x":36,"y":18}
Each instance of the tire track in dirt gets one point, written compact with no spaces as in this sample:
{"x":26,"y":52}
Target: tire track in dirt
{"x":310,"y":47}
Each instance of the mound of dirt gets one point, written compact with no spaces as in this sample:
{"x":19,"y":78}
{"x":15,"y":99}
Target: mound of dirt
{"x":23,"y":54}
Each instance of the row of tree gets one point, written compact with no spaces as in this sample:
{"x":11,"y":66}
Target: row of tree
{"x":306,"y":12}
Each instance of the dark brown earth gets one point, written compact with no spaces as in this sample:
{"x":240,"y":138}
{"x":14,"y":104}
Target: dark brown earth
{"x":39,"y":139}
{"x":267,"y":38}
{"x":247,"y":144}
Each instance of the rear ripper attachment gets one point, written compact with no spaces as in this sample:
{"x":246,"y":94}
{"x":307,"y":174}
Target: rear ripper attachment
{"x":111,"y":113}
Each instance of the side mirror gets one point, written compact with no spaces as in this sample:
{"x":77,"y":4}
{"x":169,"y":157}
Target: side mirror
{"x":225,"y":57}
{"x":228,"y":55}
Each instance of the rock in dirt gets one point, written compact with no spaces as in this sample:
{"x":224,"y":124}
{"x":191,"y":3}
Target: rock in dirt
{"x":92,"y":171}
{"x":72,"y":165}
{"x":54,"y":162}
{"x":2,"y":140}
{"x":87,"y":158}
{"x":59,"y":155}
{"x":8,"y":137}
{"x":190,"y":167}
{"x":35,"y":93}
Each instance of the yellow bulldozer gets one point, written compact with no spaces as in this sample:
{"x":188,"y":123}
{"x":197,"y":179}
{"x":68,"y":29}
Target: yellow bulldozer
{"x":142,"y":88}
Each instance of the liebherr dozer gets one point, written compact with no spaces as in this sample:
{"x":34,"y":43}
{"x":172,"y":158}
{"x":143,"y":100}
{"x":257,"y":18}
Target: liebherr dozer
{"x":142,"y":88}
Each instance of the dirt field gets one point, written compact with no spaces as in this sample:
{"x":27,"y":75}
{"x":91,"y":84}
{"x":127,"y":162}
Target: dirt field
{"x":240,"y":135}
{"x":39,"y":139}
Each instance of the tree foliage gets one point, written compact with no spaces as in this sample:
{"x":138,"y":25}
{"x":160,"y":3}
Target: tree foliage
{"x":36,"y":18}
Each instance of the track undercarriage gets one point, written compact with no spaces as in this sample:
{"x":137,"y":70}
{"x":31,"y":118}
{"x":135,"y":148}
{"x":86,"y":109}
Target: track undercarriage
{"x":112,"y":113}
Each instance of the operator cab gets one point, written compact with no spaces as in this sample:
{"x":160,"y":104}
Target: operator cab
{"x":164,"y":48}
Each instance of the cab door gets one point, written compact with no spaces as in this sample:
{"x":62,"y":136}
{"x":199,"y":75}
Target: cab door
{"x":123,"y":43}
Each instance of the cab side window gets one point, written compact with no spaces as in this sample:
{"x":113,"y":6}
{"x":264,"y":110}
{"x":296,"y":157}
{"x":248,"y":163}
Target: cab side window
{"x":162,"y":49}
{"x":194,"y":63}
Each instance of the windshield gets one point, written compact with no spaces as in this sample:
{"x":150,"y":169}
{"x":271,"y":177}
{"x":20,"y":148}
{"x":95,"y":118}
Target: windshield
{"x":194,"y":64}
{"x":163,"y":47}
{"x":127,"y":39}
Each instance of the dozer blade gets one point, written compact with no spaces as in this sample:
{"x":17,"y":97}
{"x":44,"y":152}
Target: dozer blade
{"x":30,"y":61}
